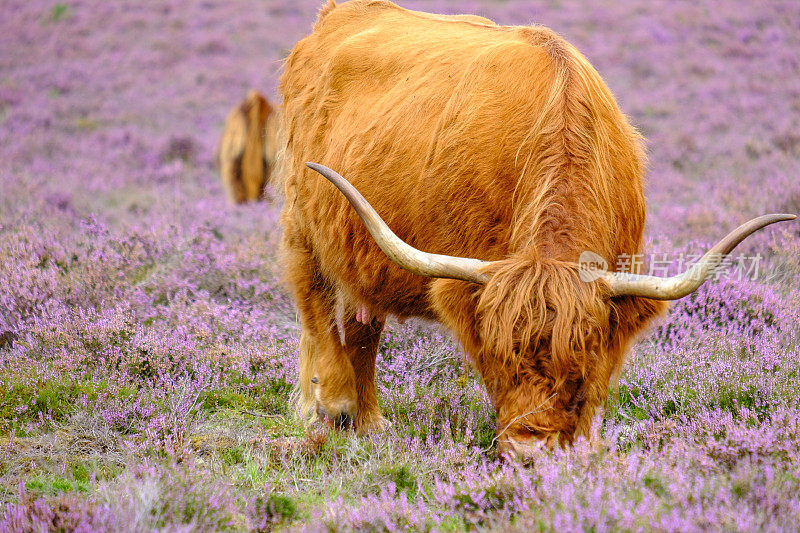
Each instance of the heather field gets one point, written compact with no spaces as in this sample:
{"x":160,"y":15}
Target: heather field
{"x":148,"y":347}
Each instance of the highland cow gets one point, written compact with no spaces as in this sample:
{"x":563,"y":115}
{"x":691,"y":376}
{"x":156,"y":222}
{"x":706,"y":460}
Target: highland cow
{"x":501,"y":153}
{"x":245,"y":156}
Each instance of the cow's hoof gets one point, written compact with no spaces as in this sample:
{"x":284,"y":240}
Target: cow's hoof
{"x":339,"y":415}
{"x":372,"y":424}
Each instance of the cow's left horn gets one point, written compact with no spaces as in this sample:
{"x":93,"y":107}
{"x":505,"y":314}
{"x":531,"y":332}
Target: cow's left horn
{"x":681,"y":285}
{"x":408,"y":257}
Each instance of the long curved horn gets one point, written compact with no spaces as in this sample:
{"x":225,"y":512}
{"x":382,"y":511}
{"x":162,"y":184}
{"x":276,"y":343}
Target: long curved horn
{"x":408,"y":257}
{"x":681,"y":285}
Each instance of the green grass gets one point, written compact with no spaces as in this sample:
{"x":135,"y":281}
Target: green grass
{"x":277,"y":508}
{"x":49,"y":485}
{"x":60,"y":11}
{"x":401,"y":475}
{"x":243,"y":393}
{"x":28,"y":402}
{"x":50,"y":401}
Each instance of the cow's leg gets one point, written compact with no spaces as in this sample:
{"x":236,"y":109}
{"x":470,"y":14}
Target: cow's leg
{"x":231,"y":172}
{"x":361,"y":345}
{"x":327,"y":381}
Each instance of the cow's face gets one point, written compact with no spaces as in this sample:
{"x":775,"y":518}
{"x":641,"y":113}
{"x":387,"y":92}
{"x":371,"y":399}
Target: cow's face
{"x":539,"y":405}
{"x":552,"y":397}
{"x":532,"y":413}
{"x":545,"y":337}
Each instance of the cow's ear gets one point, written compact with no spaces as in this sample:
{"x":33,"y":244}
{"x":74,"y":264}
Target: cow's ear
{"x":630,"y":315}
{"x":455,"y":303}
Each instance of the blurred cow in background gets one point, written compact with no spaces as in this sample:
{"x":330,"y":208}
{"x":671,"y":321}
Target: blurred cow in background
{"x":245,"y":156}
{"x":501,"y":153}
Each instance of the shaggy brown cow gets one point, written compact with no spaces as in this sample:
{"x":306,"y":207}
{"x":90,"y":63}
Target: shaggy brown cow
{"x":246,"y":153}
{"x":499,"y":147}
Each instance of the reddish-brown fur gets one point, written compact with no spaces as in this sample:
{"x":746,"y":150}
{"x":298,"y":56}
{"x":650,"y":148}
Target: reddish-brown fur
{"x":247,"y":150}
{"x":474,"y":140}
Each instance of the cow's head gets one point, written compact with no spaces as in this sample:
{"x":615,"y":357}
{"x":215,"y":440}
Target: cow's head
{"x":546,"y":334}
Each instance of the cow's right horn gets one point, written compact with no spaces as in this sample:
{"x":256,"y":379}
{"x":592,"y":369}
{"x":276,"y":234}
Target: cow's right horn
{"x":678,"y":286}
{"x":408,"y":257}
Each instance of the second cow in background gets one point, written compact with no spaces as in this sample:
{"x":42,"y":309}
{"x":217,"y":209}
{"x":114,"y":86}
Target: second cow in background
{"x":245,"y":156}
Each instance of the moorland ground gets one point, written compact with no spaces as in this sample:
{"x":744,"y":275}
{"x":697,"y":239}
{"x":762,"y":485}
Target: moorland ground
{"x":148,"y":348}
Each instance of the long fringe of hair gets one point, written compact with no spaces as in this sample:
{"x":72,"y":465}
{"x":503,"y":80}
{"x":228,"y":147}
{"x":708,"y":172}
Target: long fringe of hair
{"x":538,"y":305}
